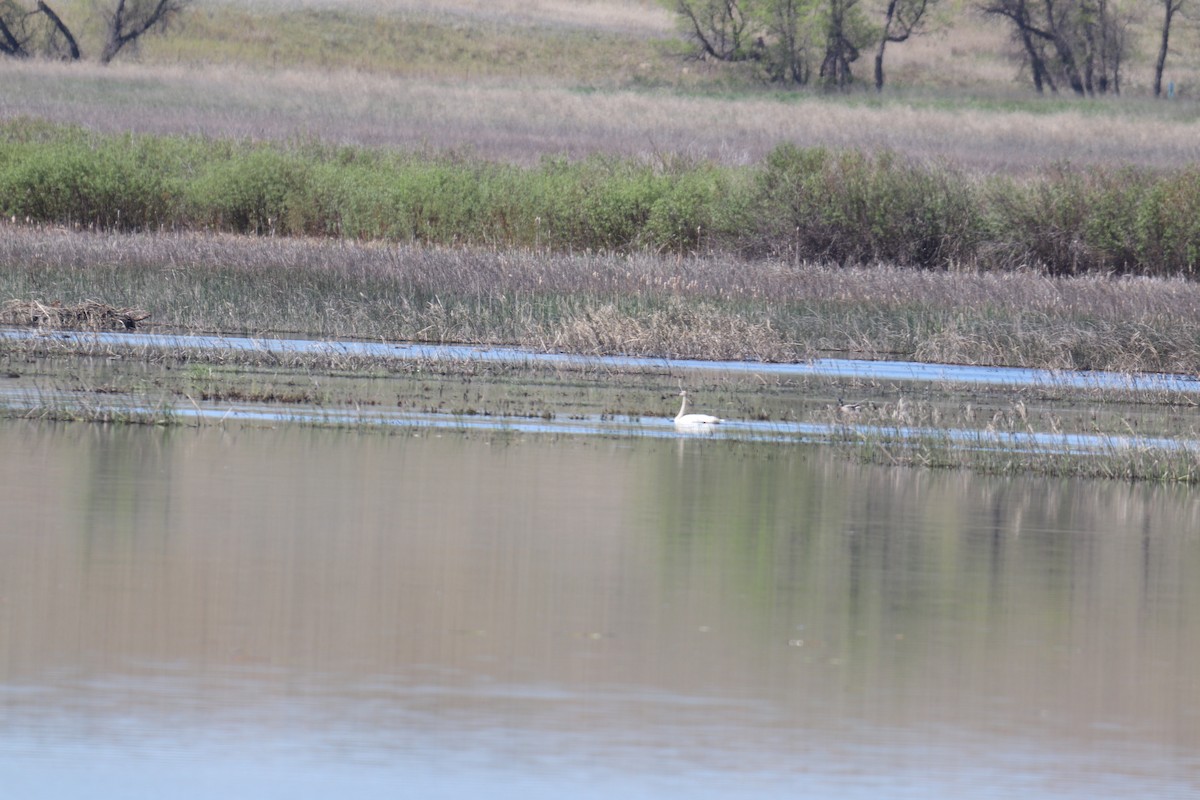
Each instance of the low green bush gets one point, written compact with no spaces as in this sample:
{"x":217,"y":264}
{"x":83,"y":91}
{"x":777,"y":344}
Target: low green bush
{"x":854,"y":208}
{"x":802,"y":204}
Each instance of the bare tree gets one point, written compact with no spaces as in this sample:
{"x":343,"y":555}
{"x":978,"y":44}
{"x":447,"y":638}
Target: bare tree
{"x":10,"y":44}
{"x":774,"y":34}
{"x":41,"y":31}
{"x":1170,"y":8}
{"x":26,"y":32}
{"x":14,"y":30}
{"x":61,"y":41}
{"x":784,"y":38}
{"x":1081,"y":42}
{"x":901,"y":19}
{"x":1032,"y":47}
{"x":125,"y":21}
{"x":718,"y":27}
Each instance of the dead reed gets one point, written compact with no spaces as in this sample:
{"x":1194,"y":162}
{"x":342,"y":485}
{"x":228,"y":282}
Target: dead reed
{"x":640,"y":304}
{"x":88,"y":315}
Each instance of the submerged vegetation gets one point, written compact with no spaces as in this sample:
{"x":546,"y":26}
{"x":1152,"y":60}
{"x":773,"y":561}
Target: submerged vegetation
{"x":1114,"y":432}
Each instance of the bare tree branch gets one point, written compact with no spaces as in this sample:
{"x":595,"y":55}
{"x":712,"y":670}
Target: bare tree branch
{"x":717,"y":26}
{"x":10,"y":45}
{"x":72,"y":45}
{"x":902,"y":19}
{"x":126,"y":21}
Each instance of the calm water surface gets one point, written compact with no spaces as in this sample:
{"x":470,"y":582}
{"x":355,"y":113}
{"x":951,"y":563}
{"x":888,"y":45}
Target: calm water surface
{"x":298,"y":612}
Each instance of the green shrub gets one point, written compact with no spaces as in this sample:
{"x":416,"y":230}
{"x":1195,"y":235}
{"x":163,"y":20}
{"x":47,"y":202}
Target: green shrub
{"x":687,"y":214}
{"x":119,"y":183}
{"x":854,"y":208}
{"x":806,"y":204}
{"x":1167,"y":225}
{"x":254,"y":190}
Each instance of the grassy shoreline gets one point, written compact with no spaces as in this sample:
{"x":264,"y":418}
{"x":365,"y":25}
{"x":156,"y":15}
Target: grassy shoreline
{"x":607,"y":303}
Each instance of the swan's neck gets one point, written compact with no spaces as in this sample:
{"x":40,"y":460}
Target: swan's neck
{"x":682,"y":408}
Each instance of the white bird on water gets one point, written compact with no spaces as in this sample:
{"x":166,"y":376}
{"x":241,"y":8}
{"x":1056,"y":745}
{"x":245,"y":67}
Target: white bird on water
{"x":694,"y":422}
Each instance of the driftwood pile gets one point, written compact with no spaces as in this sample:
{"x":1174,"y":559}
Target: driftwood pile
{"x":90,"y":315}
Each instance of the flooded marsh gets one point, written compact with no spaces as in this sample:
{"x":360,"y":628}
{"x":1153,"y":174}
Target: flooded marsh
{"x":989,"y":419}
{"x":480,"y":571}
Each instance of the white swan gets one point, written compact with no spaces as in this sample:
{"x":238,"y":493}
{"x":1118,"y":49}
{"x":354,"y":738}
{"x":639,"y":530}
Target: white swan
{"x":694,"y":422}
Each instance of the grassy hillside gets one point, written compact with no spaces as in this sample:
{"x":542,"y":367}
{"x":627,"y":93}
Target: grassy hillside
{"x":604,"y":42}
{"x":515,"y":81}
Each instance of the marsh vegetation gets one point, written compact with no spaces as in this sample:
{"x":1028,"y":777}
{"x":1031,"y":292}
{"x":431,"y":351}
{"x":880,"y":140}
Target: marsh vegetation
{"x":590,"y":193}
{"x":612,"y":304}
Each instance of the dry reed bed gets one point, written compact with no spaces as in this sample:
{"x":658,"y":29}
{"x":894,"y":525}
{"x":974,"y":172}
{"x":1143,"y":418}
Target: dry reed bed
{"x":625,"y":16}
{"x":639,"y":304}
{"x":89,"y":315}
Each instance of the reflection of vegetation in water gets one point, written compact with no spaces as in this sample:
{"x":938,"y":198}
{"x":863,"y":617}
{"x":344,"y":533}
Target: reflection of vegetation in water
{"x":829,"y":564}
{"x":123,"y":470}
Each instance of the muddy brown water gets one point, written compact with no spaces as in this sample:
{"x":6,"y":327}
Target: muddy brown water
{"x":299,"y":612}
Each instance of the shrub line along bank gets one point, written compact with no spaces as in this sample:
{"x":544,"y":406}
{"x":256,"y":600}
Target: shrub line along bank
{"x":813,"y":204}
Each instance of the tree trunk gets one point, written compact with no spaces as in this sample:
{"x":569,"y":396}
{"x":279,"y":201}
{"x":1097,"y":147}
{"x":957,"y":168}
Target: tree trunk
{"x":128,"y":21}
{"x":72,"y":45}
{"x":1037,"y":64}
{"x":1057,"y":32}
{"x":879,"y":65}
{"x":889,"y":15}
{"x":9,"y":44}
{"x":1160,"y":64}
{"x":839,"y":50}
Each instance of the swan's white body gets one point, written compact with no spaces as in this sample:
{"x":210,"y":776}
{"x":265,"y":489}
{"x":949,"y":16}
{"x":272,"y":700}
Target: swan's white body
{"x":694,"y":422}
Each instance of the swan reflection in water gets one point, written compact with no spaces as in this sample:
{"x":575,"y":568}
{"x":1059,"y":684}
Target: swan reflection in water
{"x":694,"y":423}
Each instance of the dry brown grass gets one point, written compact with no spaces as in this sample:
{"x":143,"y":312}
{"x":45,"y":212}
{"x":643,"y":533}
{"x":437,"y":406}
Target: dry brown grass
{"x":89,"y":315}
{"x":639,"y":305}
{"x":616,"y":15}
{"x":523,"y":122}
{"x":504,"y":85}
{"x":681,"y":329}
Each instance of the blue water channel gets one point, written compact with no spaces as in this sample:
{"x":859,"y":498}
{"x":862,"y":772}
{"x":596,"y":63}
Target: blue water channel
{"x":820,"y":367}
